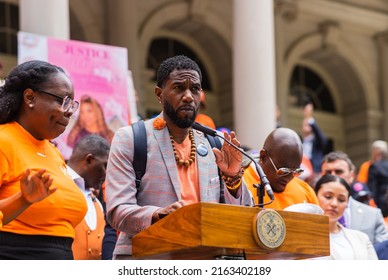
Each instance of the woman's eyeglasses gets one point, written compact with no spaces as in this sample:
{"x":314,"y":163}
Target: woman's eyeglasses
{"x":68,"y":104}
{"x":284,"y":171}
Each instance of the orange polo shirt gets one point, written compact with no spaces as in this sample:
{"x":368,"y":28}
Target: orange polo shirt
{"x":59,"y":213}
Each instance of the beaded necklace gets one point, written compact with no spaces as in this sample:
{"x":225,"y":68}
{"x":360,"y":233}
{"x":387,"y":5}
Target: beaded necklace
{"x":191,"y":159}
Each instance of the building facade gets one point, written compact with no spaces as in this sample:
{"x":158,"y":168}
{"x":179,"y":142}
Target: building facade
{"x":333,"y":52}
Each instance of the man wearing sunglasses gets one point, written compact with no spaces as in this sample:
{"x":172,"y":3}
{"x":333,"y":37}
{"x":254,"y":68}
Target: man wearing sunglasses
{"x":280,"y":158}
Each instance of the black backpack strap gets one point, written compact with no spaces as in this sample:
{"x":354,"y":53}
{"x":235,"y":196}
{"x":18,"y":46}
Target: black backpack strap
{"x":215,"y":142}
{"x":140,"y":150}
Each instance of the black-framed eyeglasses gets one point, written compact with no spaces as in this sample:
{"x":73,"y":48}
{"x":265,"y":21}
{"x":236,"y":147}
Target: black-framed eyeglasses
{"x":68,"y":104}
{"x":284,"y":171}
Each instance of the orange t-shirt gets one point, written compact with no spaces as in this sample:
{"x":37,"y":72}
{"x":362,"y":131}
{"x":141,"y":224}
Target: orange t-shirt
{"x":363,"y":172}
{"x":59,"y":213}
{"x":188,"y":176}
{"x":296,"y":191}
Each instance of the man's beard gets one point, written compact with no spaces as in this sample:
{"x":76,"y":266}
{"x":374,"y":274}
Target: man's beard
{"x":182,"y":123}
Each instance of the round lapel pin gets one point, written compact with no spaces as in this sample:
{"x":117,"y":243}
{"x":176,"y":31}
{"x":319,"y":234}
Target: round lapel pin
{"x":202,"y":150}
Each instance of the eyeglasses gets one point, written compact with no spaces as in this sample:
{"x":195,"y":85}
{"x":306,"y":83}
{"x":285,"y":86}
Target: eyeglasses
{"x":68,"y":104}
{"x":284,"y":171}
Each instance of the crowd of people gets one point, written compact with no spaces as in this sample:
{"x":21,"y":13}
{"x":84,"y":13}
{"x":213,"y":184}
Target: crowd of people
{"x":91,"y":205}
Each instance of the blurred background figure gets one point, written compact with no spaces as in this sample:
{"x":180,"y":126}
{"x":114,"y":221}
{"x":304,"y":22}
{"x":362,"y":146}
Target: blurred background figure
{"x":313,"y":139}
{"x":203,"y":118}
{"x":277,"y":115}
{"x":223,"y":129}
{"x":1,"y":74}
{"x":360,"y":192}
{"x":378,"y":182}
{"x":139,"y":116}
{"x":308,"y":173}
{"x":87,"y":166}
{"x":378,"y":149}
{"x":90,"y":120}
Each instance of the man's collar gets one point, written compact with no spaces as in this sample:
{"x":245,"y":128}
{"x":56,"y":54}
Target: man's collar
{"x":77,"y":178}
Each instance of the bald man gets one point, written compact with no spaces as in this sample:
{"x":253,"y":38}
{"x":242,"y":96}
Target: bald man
{"x":280,"y":158}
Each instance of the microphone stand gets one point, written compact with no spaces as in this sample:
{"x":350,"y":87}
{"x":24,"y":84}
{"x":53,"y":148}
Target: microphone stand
{"x":260,"y":187}
{"x":263,"y":185}
{"x":260,"y":194}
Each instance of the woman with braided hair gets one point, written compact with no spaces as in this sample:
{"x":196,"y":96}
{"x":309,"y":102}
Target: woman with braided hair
{"x":36,"y":103}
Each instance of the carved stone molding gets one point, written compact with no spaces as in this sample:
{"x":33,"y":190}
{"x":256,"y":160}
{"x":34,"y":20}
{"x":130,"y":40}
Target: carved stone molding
{"x":287,"y":9}
{"x":381,"y":38}
{"x":198,"y":9}
{"x":330,"y":31}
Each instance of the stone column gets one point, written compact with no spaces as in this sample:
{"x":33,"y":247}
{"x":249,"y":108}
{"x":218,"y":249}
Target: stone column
{"x":285,"y":12}
{"x":45,"y":17}
{"x":254,"y":85}
{"x":123,"y":29}
{"x":382,"y":46}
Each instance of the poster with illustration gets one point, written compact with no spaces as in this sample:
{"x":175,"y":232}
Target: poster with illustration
{"x":101,"y":81}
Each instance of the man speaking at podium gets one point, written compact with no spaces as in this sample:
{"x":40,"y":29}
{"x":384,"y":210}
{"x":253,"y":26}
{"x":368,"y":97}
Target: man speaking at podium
{"x":181,"y":166}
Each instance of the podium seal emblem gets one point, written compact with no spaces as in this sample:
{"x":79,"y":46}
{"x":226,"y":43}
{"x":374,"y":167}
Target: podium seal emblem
{"x":269,"y":229}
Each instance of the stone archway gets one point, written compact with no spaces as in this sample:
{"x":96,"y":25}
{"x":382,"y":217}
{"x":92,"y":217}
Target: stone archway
{"x":353,"y":92}
{"x":175,"y":21}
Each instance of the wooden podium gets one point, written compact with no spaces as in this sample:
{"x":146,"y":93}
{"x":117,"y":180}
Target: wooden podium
{"x":219,"y":231}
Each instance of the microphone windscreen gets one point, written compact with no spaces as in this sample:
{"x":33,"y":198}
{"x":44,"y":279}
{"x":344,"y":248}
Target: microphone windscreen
{"x":204,"y":129}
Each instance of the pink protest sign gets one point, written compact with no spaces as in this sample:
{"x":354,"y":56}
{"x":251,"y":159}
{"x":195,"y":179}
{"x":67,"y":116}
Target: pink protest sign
{"x":100,"y":77}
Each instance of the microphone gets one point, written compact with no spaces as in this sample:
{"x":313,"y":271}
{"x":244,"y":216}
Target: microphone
{"x":205,"y":129}
{"x":263,"y":177}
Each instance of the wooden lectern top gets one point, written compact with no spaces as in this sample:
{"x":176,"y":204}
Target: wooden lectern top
{"x":221,"y":231}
